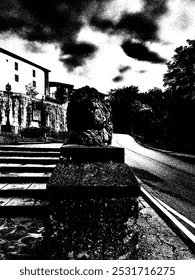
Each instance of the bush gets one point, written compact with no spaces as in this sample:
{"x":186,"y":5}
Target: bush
{"x":8,"y":139}
{"x":37,"y":132}
{"x":30,"y":132}
{"x":62,"y":135}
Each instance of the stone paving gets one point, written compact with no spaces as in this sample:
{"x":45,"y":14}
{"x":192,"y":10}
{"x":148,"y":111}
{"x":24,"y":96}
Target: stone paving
{"x":24,"y":238}
{"x":156,"y":240}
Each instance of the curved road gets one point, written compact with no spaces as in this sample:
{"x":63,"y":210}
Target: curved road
{"x":165,"y":176}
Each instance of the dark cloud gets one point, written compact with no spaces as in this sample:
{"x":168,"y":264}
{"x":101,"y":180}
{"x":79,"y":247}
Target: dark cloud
{"x":142,"y":71}
{"x":139,"y":26}
{"x":136,"y":25}
{"x":155,"y":8}
{"x":123,"y":69}
{"x":60,"y":21}
{"x":117,"y":79}
{"x":77,"y":53}
{"x":50,"y":21}
{"x":143,"y":25}
{"x":141,"y":52}
{"x":104,"y":25}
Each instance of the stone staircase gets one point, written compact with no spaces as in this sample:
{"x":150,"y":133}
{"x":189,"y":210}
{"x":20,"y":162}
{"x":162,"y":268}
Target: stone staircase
{"x":24,"y":172}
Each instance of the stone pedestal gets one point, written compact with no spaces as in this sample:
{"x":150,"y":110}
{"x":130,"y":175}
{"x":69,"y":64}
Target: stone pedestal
{"x":93,"y":205}
{"x":82,"y":153}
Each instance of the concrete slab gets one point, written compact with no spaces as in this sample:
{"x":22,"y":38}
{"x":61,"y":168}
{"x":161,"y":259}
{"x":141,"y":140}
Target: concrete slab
{"x":9,"y":164}
{"x":37,"y":186}
{"x":4,"y":201}
{"x":21,"y":202}
{"x":2,"y":185}
{"x":32,"y":165}
{"x":21,"y":186}
{"x":6,"y":174}
{"x":30,"y":174}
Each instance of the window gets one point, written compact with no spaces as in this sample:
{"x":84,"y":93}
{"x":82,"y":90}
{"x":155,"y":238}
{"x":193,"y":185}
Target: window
{"x":34,"y":73}
{"x":34,"y":83}
{"x":16,"y":78}
{"x":16,"y":66}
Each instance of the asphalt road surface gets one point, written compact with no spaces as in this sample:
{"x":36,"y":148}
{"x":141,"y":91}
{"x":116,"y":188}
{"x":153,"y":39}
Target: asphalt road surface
{"x":166,"y":176}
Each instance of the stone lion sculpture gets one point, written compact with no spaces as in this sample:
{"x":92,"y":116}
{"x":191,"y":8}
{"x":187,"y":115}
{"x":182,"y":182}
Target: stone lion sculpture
{"x":89,"y":118}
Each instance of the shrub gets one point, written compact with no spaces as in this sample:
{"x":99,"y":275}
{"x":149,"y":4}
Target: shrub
{"x":62,"y":135}
{"x":40,"y":132}
{"x":30,"y":132}
{"x":37,"y":132}
{"x":8,"y":139}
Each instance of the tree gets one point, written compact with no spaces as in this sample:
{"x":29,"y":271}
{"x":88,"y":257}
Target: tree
{"x":124,"y":108}
{"x":180,"y":86}
{"x":31,"y":90}
{"x":156,"y":99}
{"x":179,"y":79}
{"x":61,"y":95}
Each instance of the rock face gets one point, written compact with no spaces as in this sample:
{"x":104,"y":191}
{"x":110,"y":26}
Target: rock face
{"x":89,"y":118}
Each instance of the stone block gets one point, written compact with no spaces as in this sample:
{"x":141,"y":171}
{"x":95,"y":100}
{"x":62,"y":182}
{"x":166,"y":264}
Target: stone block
{"x":93,"y":211}
{"x":82,"y":153}
{"x":92,"y":180}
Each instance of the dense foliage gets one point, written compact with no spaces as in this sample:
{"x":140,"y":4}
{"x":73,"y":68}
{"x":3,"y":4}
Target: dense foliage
{"x":161,"y":115}
{"x":124,"y":108}
{"x":179,"y":79}
{"x":39,"y":132}
{"x":61,"y":95}
{"x":180,"y":88}
{"x":134,"y":112}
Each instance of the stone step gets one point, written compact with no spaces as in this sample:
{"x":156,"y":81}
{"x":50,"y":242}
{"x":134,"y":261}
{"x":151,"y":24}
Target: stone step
{"x":28,"y":148}
{"x":29,"y":160}
{"x":24,"y":172}
{"x":28,"y":140}
{"x":23,"y":189}
{"x":19,"y":168}
{"x":31,"y":153}
{"x":25,"y":206}
{"x":25,"y":177}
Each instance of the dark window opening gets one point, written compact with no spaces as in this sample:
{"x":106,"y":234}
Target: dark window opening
{"x":34,"y":84}
{"x":16,"y":78}
{"x":34,"y":73}
{"x":16,"y":65}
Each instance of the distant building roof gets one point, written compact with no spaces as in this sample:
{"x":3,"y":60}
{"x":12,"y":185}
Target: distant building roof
{"x":23,"y":59}
{"x":56,"y":84}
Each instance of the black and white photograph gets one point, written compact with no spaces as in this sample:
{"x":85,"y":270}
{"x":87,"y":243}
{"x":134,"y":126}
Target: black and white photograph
{"x":97,"y":142}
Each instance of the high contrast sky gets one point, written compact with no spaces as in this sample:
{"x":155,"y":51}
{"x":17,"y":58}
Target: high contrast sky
{"x":105,"y":44}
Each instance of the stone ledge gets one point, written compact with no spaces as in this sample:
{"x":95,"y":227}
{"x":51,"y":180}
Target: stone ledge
{"x":93,"y":180}
{"x":81,"y":153}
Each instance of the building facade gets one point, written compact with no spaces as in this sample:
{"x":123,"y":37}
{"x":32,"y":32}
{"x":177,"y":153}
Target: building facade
{"x":66,"y":89}
{"x":20,"y":72}
{"x":26,"y":104}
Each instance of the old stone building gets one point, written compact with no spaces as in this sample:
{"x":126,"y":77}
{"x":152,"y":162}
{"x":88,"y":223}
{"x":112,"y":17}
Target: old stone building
{"x":25,"y":98}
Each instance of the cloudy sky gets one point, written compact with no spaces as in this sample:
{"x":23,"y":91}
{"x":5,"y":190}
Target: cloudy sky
{"x":101,"y":43}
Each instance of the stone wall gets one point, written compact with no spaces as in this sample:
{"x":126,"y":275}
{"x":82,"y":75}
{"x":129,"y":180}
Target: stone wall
{"x":32,"y":112}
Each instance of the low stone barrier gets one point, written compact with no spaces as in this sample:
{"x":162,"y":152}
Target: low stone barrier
{"x":93,"y":205}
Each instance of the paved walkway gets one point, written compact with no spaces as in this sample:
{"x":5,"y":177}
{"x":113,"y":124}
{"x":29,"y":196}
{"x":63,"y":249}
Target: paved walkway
{"x":156,"y":240}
